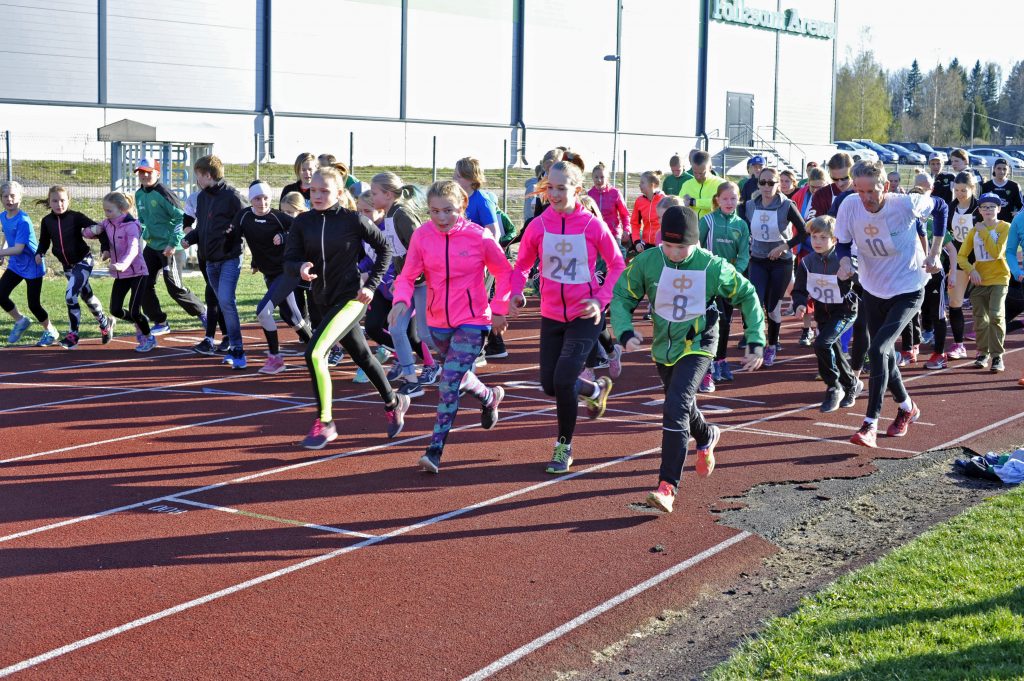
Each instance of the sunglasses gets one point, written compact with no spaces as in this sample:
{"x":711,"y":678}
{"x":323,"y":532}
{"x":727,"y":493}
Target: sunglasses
{"x":844,"y":178}
{"x":767,"y":183}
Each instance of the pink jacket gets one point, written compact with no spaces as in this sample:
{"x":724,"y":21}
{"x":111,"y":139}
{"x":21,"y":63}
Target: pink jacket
{"x":613,"y":208}
{"x":125,"y":237}
{"x":564,"y":302}
{"x":453,"y":263}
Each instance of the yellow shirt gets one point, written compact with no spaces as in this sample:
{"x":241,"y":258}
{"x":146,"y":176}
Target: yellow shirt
{"x":702,"y":193}
{"x":989,"y":247}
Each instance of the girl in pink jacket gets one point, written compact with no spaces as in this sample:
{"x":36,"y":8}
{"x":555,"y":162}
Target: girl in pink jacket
{"x":127,"y":266}
{"x":609,"y":202}
{"x":567,"y":239}
{"x":452,"y":252}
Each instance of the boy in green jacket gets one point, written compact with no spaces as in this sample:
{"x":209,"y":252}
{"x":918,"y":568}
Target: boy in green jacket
{"x":682,"y":280}
{"x":161,"y":216}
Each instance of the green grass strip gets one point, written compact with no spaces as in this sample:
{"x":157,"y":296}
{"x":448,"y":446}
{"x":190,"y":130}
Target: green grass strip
{"x":948,"y":605}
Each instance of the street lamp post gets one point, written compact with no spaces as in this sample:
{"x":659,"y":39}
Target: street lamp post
{"x":617,"y":58}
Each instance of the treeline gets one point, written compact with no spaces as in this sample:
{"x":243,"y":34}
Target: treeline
{"x":934,"y":107}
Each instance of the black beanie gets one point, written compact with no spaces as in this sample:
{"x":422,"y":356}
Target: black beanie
{"x":679,"y":226}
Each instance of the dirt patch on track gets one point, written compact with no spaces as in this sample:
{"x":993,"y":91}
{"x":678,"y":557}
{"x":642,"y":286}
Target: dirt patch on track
{"x":823,"y":529}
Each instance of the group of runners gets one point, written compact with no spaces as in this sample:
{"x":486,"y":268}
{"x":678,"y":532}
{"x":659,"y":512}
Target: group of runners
{"x":429,"y":277}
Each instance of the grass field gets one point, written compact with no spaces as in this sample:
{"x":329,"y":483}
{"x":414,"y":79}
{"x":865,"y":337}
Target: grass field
{"x":947,"y":606}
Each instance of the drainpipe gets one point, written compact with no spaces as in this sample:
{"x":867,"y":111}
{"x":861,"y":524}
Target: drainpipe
{"x":268,"y":110}
{"x":518,"y":69}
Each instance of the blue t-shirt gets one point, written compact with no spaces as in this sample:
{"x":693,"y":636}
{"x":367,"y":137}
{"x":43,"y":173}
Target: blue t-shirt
{"x":483,"y":210}
{"x":18,"y":230}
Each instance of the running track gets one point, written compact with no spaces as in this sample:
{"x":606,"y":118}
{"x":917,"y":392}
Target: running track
{"x":158,"y":520}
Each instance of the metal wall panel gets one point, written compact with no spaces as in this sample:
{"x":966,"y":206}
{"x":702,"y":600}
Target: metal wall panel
{"x":740,"y":59}
{"x":805,"y":79}
{"x":49,"y":50}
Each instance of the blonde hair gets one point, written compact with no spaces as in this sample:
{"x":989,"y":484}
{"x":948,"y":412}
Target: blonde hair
{"x":668,"y":202}
{"x":468,"y":168}
{"x":345,"y":200}
{"x":302,"y":158}
{"x":553,"y":156}
{"x":722,"y":188}
{"x":600,"y":166}
{"x":816,"y":173}
{"x":334,"y":174}
{"x":12,"y":187}
{"x":449,"y":190}
{"x":652,"y":177}
{"x":406,"y":195}
{"x":789,"y":173}
{"x":590,"y":206}
{"x":55,"y":189}
{"x":823,"y":224}
{"x":366,"y":197}
{"x":294,"y":200}
{"x":123,"y":202}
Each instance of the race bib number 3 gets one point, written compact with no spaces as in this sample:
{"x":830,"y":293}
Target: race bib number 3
{"x":682,"y":295}
{"x":565,"y":258}
{"x":824,"y":288}
{"x":764,"y":226}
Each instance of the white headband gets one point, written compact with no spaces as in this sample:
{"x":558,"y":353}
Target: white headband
{"x":259,"y":189}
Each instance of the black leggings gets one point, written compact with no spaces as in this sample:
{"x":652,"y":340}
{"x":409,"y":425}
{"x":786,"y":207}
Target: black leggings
{"x":9,"y":280}
{"x":724,"y":326}
{"x":933,"y":312}
{"x":771,"y":279}
{"x":886,"y":319}
{"x":564,"y":347}
{"x":680,"y":417}
{"x":135,"y":289}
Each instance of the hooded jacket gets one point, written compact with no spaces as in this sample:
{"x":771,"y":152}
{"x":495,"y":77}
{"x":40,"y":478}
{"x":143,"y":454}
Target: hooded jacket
{"x":125,"y":238}
{"x":645,"y":224}
{"x":216,"y":206}
{"x":64,"y":233}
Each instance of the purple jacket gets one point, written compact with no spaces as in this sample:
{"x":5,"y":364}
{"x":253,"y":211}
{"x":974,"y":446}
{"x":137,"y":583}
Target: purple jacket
{"x":125,"y":236}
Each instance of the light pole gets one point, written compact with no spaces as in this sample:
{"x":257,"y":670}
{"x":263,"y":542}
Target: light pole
{"x":617,"y":58}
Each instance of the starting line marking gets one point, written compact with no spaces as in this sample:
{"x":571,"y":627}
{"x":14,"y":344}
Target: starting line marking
{"x":261,"y":516}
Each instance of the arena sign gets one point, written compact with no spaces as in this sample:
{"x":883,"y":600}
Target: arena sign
{"x":788,"y":21}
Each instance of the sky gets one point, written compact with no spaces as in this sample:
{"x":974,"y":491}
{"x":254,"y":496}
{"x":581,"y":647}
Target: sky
{"x":933,"y":32}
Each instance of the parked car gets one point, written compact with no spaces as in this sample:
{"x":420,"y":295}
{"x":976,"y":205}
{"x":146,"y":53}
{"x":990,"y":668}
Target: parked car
{"x":1016,"y":153}
{"x":972,"y":158}
{"x":993,"y":155}
{"x":884,"y":155}
{"x":857,"y":151}
{"x":926,"y":150}
{"x":906,"y":155}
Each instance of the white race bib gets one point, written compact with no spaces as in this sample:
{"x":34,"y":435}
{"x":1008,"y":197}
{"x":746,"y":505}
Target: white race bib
{"x":565,"y":258}
{"x":397,"y":248}
{"x":874,"y":241}
{"x":981,"y":254}
{"x":682,"y":295}
{"x":961,"y":225}
{"x":824,"y":288}
{"x":764,"y":226}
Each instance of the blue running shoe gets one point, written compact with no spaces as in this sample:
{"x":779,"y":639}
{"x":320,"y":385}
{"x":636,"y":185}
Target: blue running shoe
{"x":18,"y":330}
{"x":46,"y":339}
{"x":561,"y":460}
{"x":431,"y":461}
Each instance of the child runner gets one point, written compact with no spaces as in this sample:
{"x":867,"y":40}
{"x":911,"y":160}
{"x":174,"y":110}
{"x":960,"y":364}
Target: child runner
{"x":963,"y":213}
{"x":214,"y":318}
{"x":803,"y":198}
{"x":375,"y":324}
{"x":609,"y":202}
{"x":305,"y":165}
{"x":21,"y":244}
{"x":127,"y":265}
{"x":835,"y":309}
{"x":673,"y":183}
{"x":265,"y":231}
{"x":63,"y":229}
{"x":769,"y":215}
{"x":451,"y":253}
{"x":787,"y":183}
{"x":324,"y":247}
{"x":682,"y":280}
{"x":216,"y":206}
{"x":933,"y":310}
{"x":1004,"y":188}
{"x":292,"y":204}
{"x":893,"y":269}
{"x":568,"y":240}
{"x":401,"y":218}
{"x":161,"y":217}
{"x":644,"y":223}
{"x":726,"y":235}
{"x":990,"y":275}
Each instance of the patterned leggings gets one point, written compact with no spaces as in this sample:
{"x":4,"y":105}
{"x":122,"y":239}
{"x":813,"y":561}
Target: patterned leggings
{"x":458,"y":350}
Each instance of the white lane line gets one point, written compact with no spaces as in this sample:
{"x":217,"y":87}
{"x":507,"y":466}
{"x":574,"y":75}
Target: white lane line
{"x":589,"y":615}
{"x":135,"y":624}
{"x":809,"y":438}
{"x":175,"y":353}
{"x":885,"y":418}
{"x":270,"y":518}
{"x":979,"y":431}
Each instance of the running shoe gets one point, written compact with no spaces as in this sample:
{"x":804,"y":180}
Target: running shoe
{"x":936,"y":361}
{"x":833,"y":397}
{"x":107,"y":329}
{"x":851,"y":394}
{"x":224,"y":346}
{"x":769,"y":355}
{"x":602,"y":363}
{"x":904,"y":360}
{"x":274,"y":365}
{"x":429,"y":373}
{"x":495,"y":348}
{"x":383,"y":355}
{"x":927,"y":338}
{"x":203,"y":347}
{"x":431,"y":461}
{"x":335,"y":355}
{"x":716,"y":372}
{"x":901,"y":424}
{"x":237,"y":358}
{"x":146,"y":344}
{"x":957,"y":351}
{"x":997,"y":364}
{"x":319,"y":435}
{"x":396,"y":415}
{"x":707,"y":384}
{"x":1020,"y":382}
{"x":981,"y":361}
{"x":489,"y":413}
{"x":866,"y":436}
{"x":588,"y":374}
{"x":18,"y":330}
{"x":393,"y":374}
{"x":596,"y":405}
{"x":70,"y":341}
{"x":202,"y":320}
{"x":561,"y":460}
{"x":48,"y":338}
{"x":646,"y":317}
{"x":662,"y":498}
{"x":481,"y":361}
{"x":360,"y":376}
{"x":726,"y":371}
{"x":706,"y":452}
{"x":615,"y":362}
{"x":806,"y":337}
{"x":411,"y":389}
{"x":160,"y":329}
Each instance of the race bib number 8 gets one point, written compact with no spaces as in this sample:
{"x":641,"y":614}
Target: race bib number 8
{"x":682,"y":295}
